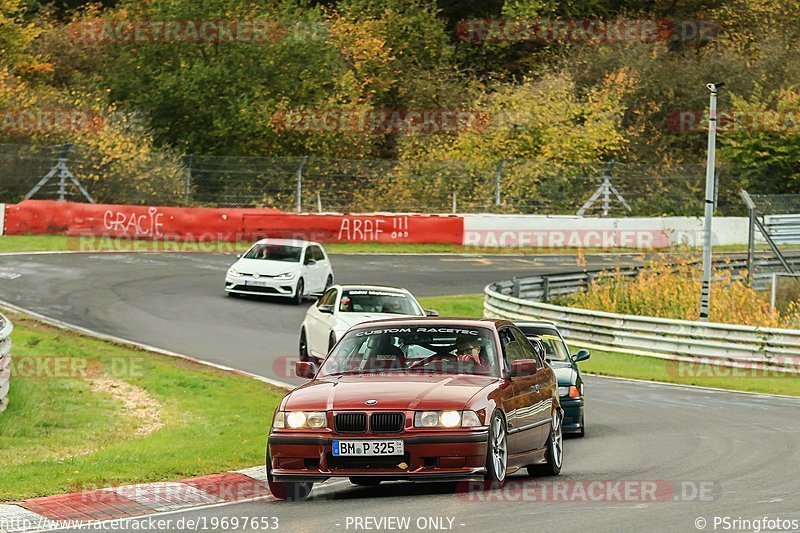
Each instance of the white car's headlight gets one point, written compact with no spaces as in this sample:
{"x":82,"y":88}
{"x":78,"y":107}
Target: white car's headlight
{"x":234,"y":273}
{"x":300,"y":420}
{"x":285,"y":275}
{"x":446,"y":419}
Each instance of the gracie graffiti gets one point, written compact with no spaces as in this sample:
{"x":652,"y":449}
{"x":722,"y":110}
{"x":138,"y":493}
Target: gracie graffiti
{"x":149,"y":224}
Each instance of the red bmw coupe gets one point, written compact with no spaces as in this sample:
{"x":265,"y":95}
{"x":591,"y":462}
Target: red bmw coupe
{"x":421,"y":400}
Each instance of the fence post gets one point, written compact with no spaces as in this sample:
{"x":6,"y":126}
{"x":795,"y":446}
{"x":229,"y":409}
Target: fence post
{"x":299,"y":175}
{"x":455,"y":204}
{"x":545,"y":288}
{"x":498,"y":174}
{"x":515,"y":287}
{"x":187,"y":187}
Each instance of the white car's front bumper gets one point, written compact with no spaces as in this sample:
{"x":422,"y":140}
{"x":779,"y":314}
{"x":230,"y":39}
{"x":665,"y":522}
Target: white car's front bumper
{"x":262,"y":285}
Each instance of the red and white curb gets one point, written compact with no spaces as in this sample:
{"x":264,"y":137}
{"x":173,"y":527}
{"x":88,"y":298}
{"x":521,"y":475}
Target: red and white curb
{"x":129,"y":501}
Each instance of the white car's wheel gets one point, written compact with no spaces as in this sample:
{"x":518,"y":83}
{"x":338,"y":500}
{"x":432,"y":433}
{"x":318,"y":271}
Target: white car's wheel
{"x":299,"y":292}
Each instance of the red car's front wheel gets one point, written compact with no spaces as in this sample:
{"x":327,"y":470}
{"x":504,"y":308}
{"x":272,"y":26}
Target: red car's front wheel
{"x":497,"y":450}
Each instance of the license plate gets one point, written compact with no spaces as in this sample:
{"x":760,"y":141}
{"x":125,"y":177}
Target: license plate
{"x":256,"y":283}
{"x":367,"y":447}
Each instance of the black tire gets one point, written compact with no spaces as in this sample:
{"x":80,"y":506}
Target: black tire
{"x":365,"y":481}
{"x":555,"y":450}
{"x":303,"y":347}
{"x":497,"y":450}
{"x":328,"y":283}
{"x":297,"y":299}
{"x":582,"y":432}
{"x":331,"y":341}
{"x":292,"y":491}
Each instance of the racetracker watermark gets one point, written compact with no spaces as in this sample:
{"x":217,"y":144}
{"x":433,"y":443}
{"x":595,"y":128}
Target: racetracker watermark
{"x":176,"y":31}
{"x":585,"y":30}
{"x":696,"y":120}
{"x":43,"y":121}
{"x":72,"y":367}
{"x":591,"y":491}
{"x":779,"y":367}
{"x":220,"y":487}
{"x":381,"y":121}
{"x":558,"y":238}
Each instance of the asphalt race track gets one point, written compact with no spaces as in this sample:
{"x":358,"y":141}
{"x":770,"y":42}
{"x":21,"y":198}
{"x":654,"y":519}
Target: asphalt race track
{"x":709,"y":453}
{"x":176,"y":301}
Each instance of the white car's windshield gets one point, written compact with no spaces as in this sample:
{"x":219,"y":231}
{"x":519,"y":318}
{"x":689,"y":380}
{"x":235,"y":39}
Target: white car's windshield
{"x":443,"y":349}
{"x":378,"y":301}
{"x":275,"y":252}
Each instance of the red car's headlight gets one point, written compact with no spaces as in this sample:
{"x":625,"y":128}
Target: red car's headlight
{"x":300,"y":420}
{"x":446,"y":419}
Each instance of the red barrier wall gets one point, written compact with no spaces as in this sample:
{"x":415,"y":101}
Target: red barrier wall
{"x":50,"y":217}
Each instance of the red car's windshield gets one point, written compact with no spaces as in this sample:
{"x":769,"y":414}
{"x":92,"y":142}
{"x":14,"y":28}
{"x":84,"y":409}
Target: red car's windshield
{"x":442,"y":349}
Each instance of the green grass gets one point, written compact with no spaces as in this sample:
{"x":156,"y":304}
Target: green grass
{"x":59,"y":435}
{"x":640,"y":367}
{"x":654,"y":369}
{"x":37,"y":243}
{"x":465,"y":305}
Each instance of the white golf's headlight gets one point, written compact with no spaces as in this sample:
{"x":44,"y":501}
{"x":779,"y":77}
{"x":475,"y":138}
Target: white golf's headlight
{"x":285,"y":275}
{"x":233,"y":272}
{"x":446,"y":419}
{"x":301,"y":420}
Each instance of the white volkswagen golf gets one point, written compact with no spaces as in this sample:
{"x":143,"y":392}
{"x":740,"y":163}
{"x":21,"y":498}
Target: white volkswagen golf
{"x":281,"y":267}
{"x":344,"y":306}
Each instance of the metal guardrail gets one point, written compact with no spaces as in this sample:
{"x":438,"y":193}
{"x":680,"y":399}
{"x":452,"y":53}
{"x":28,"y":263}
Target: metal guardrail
{"x":680,"y":340}
{"x":544,"y":288}
{"x":5,"y":360}
{"x":784,"y":229}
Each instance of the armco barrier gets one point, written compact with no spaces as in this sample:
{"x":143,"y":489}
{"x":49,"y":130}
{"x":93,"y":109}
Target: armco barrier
{"x":682,"y":340}
{"x":149,"y":222}
{"x":5,"y":360}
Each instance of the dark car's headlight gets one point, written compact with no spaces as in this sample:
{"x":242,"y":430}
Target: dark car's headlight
{"x":300,"y":420}
{"x":569,"y":392}
{"x":446,"y":419}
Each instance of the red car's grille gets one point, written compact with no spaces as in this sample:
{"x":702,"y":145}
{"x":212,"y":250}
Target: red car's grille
{"x":387,"y":422}
{"x":351,"y":422}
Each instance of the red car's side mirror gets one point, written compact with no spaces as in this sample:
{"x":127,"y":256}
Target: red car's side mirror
{"x":523,"y":367}
{"x":305,"y":369}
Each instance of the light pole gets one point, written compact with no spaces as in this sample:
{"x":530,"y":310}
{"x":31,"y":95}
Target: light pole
{"x":705,"y":290}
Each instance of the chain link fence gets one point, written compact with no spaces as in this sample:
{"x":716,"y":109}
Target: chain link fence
{"x":315,"y":184}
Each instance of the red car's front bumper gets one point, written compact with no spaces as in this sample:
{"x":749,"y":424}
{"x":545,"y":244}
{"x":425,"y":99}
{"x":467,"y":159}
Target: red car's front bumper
{"x":429,"y":456}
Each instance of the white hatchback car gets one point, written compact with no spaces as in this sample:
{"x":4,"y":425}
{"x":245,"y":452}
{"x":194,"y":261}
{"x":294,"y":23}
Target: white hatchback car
{"x":281,"y":267}
{"x":344,"y":306}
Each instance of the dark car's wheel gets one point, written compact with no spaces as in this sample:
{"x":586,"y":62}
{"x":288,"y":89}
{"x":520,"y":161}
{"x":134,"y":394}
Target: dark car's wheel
{"x":582,"y":432}
{"x":331,"y":341}
{"x":303,"y":348}
{"x":293,"y":491}
{"x":365,"y":481}
{"x":497,"y":450}
{"x":297,"y":299}
{"x":555,"y":451}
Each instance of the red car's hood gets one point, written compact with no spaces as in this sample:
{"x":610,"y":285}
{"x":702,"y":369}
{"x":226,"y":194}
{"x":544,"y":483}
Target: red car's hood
{"x":401,"y":392}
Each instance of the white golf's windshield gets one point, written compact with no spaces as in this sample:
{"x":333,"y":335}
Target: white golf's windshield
{"x":275,"y":252}
{"x":443,"y":349}
{"x":378,"y":301}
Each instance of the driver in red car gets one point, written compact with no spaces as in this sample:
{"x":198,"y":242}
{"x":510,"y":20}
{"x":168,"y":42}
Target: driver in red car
{"x":468,"y":352}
